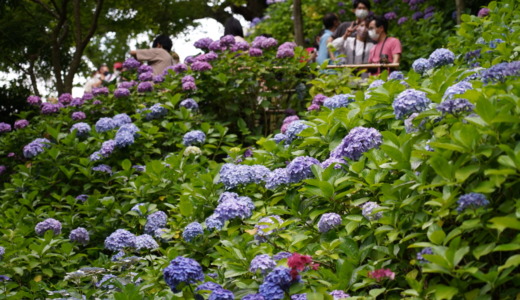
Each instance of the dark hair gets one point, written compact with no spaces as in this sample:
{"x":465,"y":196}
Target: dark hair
{"x":381,"y":21}
{"x":233,"y":27}
{"x":329,"y":20}
{"x":366,"y":2}
{"x":164,"y":41}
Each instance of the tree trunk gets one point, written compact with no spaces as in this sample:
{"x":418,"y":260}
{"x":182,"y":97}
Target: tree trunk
{"x":459,"y":4}
{"x":32,"y":76}
{"x":298,"y":22}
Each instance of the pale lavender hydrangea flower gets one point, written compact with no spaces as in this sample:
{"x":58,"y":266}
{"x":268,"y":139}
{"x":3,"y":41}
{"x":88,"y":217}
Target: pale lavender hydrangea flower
{"x":189,"y":104}
{"x":367,"y":211}
{"x":126,"y":84}
{"x":78,"y":115}
{"x":265,"y":223}
{"x":262,"y":262}
{"x":282,"y":255}
{"x":203,"y":43}
{"x":107,"y":148}
{"x":471,"y":200}
{"x":145,"y":241}
{"x":208,"y":286}
{"x":390,"y":15}
{"x":285,"y":52}
{"x":402,"y":20}
{"x":338,"y":101}
{"x":300,"y":168}
{"x":234,"y":207}
{"x":410,"y":101}
{"x":293,"y":130}
{"x":157,"y":111}
{"x":216,"y":46}
{"x":214,"y":222}
{"x":179,"y":68}
{"x":124,"y":139}
{"x":279,"y":137}
{"x":420,"y":254}
{"x":103,"y":168}
{"x":100,"y":91}
{"x":500,"y":72}
{"x":82,"y":129}
{"x":421,"y":65}
{"x":455,"y":106}
{"x":358,"y":141}
{"x":146,"y":76}
{"x":277,"y":178}
{"x":131,"y":63}
{"x":200,"y":66}
{"x":20,"y":124}
{"x":65,"y":98}
{"x":77,"y":102}
{"x":191,"y":231}
{"x":34,"y":100}
{"x":121,"y":93}
{"x":227,"y":40}
{"x":82,"y":197}
{"x":268,"y":43}
{"x":48,"y":224}
{"x":144,"y":69}
{"x":105,"y":124}
{"x":79,"y":235}
{"x":155,"y":221}
{"x":120,"y":239}
{"x":121,"y":119}
{"x":194,"y":137}
{"x":4,"y":127}
{"x":338,"y":295}
{"x":255,"y":52}
{"x":299,"y":297}
{"x":328,"y":221}
{"x":50,"y":108}
{"x":396,"y":75}
{"x":35,"y":147}
{"x":441,"y":57}
{"x":337,"y":162}
{"x":376,"y":83}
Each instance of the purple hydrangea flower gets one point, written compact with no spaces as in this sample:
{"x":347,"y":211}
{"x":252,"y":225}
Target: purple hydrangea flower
{"x":18,"y":124}
{"x":131,"y":63}
{"x":376,"y":83}
{"x":156,"y":111}
{"x":144,"y":69}
{"x":35,"y":147}
{"x":97,"y":102}
{"x":145,"y":86}
{"x":500,"y":72}
{"x":441,"y":57}
{"x":179,"y":68}
{"x":455,"y":106}
{"x":421,"y":65}
{"x":214,"y":222}
{"x":189,"y":104}
{"x":276,"y":283}
{"x":48,"y":224}
{"x":255,"y":52}
{"x":124,"y":139}
{"x":107,"y":148}
{"x":390,"y":15}
{"x":417,"y":15}
{"x":367,"y":211}
{"x":216,"y":46}
{"x":121,"y":119}
{"x":279,"y":137}
{"x":282,"y":255}
{"x":428,"y":15}
{"x":79,"y":235}
{"x":155,"y":221}
{"x":194,"y":137}
{"x":285,"y":52}
{"x":105,"y":280}
{"x":337,"y":162}
{"x":227,"y":40}
{"x":319,"y":99}
{"x":243,"y":46}
{"x":396,"y":75}
{"x":121,"y":93}
{"x":145,"y":241}
{"x":402,"y":20}
{"x":338,"y":295}
{"x":410,"y":101}
{"x":130,"y":127}
{"x":257,"y":42}
{"x":83,"y":129}
{"x":103,"y":168}
{"x":87,"y":96}
{"x":189,"y":86}
{"x":189,"y":60}
{"x":4,"y":127}
{"x":299,"y":297}
{"x":338,"y":101}
{"x":187,"y":78}
{"x":294,"y":128}
{"x":146,"y":76}
{"x":126,"y":84}
{"x":358,"y":141}
{"x":253,"y":296}
{"x":65,"y":98}
{"x":328,"y":221}
{"x":483,"y":12}
{"x":268,"y":43}
{"x":78,"y":115}
{"x":232,"y":175}
{"x":100,"y":91}
{"x":420,"y":254}
{"x":48,"y":108}
{"x":191,"y":231}
{"x":105,"y":124}
{"x":203,"y":43}
{"x":221,"y":294}
{"x":2,"y":169}
{"x":2,"y":252}
{"x":262,"y":262}
{"x":120,"y":239}
{"x":34,"y":100}
{"x":200,"y":66}
{"x":471,"y":200}
{"x":182,"y":269}
{"x":82,"y":197}
{"x":139,"y":168}
{"x":234,"y":207}
{"x":300,"y":168}
{"x":208,"y":286}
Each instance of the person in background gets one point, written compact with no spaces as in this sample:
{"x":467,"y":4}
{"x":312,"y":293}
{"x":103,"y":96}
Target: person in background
{"x":96,"y":80}
{"x":114,"y":77}
{"x":234,"y":28}
{"x":388,"y":49}
{"x":331,"y":22}
{"x":360,"y":8}
{"x":158,"y":57}
{"x":356,"y":49}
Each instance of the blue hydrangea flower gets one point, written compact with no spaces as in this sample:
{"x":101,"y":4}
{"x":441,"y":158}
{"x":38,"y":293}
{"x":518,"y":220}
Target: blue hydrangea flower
{"x":189,"y":104}
{"x":130,"y":127}
{"x":293,"y":130}
{"x":234,"y":207}
{"x":82,"y":197}
{"x":358,"y":141}
{"x":262,"y":262}
{"x":279,"y":137}
{"x":410,"y":101}
{"x":277,"y":178}
{"x":421,"y":65}
{"x":338,"y":295}
{"x":455,"y":106}
{"x":493,"y":44}
{"x":276,"y":283}
{"x":103,"y":168}
{"x":265,"y":223}
{"x":232,"y":175}
{"x":120,"y":239}
{"x":194,"y":137}
{"x":253,"y":297}
{"x":471,"y":200}
{"x":137,"y":209}
{"x":35,"y":147}
{"x":208,"y":286}
{"x":420,"y":254}
{"x":155,"y":221}
{"x":338,"y":101}
{"x":139,"y":168}
{"x":329,"y":221}
{"x":79,"y":235}
{"x":396,"y":75}
{"x":107,"y":148}
{"x":337,"y":162}
{"x":282,"y":255}
{"x":182,"y":269}
{"x":500,"y":72}
{"x":121,"y":119}
{"x":191,"y":231}
{"x":367,"y":211}
{"x":408,"y":123}
{"x":300,"y":296}
{"x":48,"y":224}
{"x":105,"y":124}
{"x":376,"y":83}
{"x":300,"y":168}
{"x":124,"y":138}
{"x":221,"y":294}
{"x":83,"y":129}
{"x":145,"y":241}
{"x":156,"y":111}
{"x":441,"y":57}
{"x":457,"y":89}
{"x":214,"y":222}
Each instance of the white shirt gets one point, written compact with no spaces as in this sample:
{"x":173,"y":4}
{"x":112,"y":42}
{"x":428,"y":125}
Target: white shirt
{"x":346,"y":47}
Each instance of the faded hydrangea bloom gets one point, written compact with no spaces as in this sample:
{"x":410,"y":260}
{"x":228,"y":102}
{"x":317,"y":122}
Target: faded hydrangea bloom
{"x":191,"y":231}
{"x":120,"y":239}
{"x":79,"y":235}
{"x":192,"y":150}
{"x":194,"y":137}
{"x":182,"y":269}
{"x":410,"y":101}
{"x":338,"y":101}
{"x":262,"y":262}
{"x":329,"y":221}
{"x":145,"y":241}
{"x":472,"y":200}
{"x":155,"y":221}
{"x":358,"y":141}
{"x":367,"y":211}
{"x":48,"y":224}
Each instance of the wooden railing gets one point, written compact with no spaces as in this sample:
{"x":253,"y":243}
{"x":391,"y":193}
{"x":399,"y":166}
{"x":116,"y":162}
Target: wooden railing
{"x":365,"y":66}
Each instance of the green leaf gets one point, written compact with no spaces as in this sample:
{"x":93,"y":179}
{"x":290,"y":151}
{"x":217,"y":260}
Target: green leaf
{"x":185,"y":206}
{"x":463,"y":173}
{"x":445,"y":292}
{"x":482,"y":250}
{"x":376,"y":292}
{"x":435,"y":234}
{"x":441,"y":166}
{"x":512,"y":261}
{"x":126,"y":164}
{"x":501,"y":223}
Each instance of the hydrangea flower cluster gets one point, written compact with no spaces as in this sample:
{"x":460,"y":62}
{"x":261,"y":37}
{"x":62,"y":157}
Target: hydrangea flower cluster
{"x":420,"y":254}
{"x":329,"y":221}
{"x":48,"y":224}
{"x":457,"y":89}
{"x":179,"y":68}
{"x":281,"y":255}
{"x":441,"y":57}
{"x":277,"y":178}
{"x":390,"y":15}
{"x":4,"y":127}
{"x":203,"y":43}
{"x":35,"y":147}
{"x":231,"y":206}
{"x":214,"y":222}
{"x":221,"y":294}
{"x":34,"y":100}
{"x":144,"y":69}
{"x":264,"y":223}
{"x":317,"y":102}
{"x":299,"y":297}
{"x":262,"y":262}
{"x":338,"y":101}
{"x":339,"y":294}
{"x":182,"y":269}
{"x":100,"y":91}
{"x":79,"y":235}
{"x":421,"y":65}
{"x":155,"y":221}
{"x":472,"y":200}
{"x":131,"y":63}
{"x":276,"y":283}
{"x":146,"y":76}
{"x":126,"y":84}
{"x":208,"y":286}
{"x":402,"y":20}
{"x":157,"y":111}
{"x":106,"y":149}
{"x":2,"y":252}
{"x":189,"y":104}
{"x":121,"y":93}
{"x":145,"y":241}
{"x":191,"y":231}
{"x":381,"y":274}
{"x":287,"y":121}
{"x":232,"y":175}
{"x":455,"y":106}
{"x":103,"y":168}
{"x":65,"y":98}
{"x":300,"y":168}
{"x":78,"y":115}
{"x":358,"y":141}
{"x":255,"y":52}
{"x":337,"y":162}
{"x":410,"y":101}
{"x":105,"y":124}
{"x":242,"y":46}
{"x":396,"y":75}
{"x":145,"y":86}
{"x":192,"y":150}
{"x":82,"y":129}
{"x":82,"y":197}
{"x":48,"y":108}
{"x":293,"y":130}
{"x":279,"y":137}
{"x":367,"y":210}
{"x":20,"y":124}
{"x":193,"y":137}
{"x":188,"y":83}
{"x":120,"y":239}
{"x":286,"y":50}
{"x":200,"y":66}
{"x":500,"y":72}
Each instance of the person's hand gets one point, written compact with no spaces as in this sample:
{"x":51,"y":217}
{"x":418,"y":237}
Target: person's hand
{"x":350,"y":30}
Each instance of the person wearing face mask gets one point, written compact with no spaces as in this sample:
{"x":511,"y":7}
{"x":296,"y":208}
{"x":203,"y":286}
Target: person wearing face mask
{"x":356,"y":49}
{"x":97,"y":78}
{"x":387,"y":49}
{"x":331,"y":22}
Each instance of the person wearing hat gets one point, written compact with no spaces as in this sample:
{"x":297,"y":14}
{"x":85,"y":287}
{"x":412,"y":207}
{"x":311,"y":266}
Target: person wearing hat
{"x":114,"y":77}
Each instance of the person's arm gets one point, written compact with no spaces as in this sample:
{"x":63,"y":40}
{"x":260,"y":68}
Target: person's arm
{"x":133,"y":53}
{"x":396,"y":53}
{"x":396,"y":57}
{"x":144,"y":54}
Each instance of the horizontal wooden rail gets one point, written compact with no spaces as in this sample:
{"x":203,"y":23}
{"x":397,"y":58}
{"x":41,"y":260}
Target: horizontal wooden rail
{"x":365,"y":66}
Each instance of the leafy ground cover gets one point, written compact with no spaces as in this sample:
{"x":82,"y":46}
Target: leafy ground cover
{"x":404,"y":189}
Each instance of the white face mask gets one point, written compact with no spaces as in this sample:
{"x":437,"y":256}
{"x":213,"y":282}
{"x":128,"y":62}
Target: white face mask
{"x":361,"y":13}
{"x":373,"y":35}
